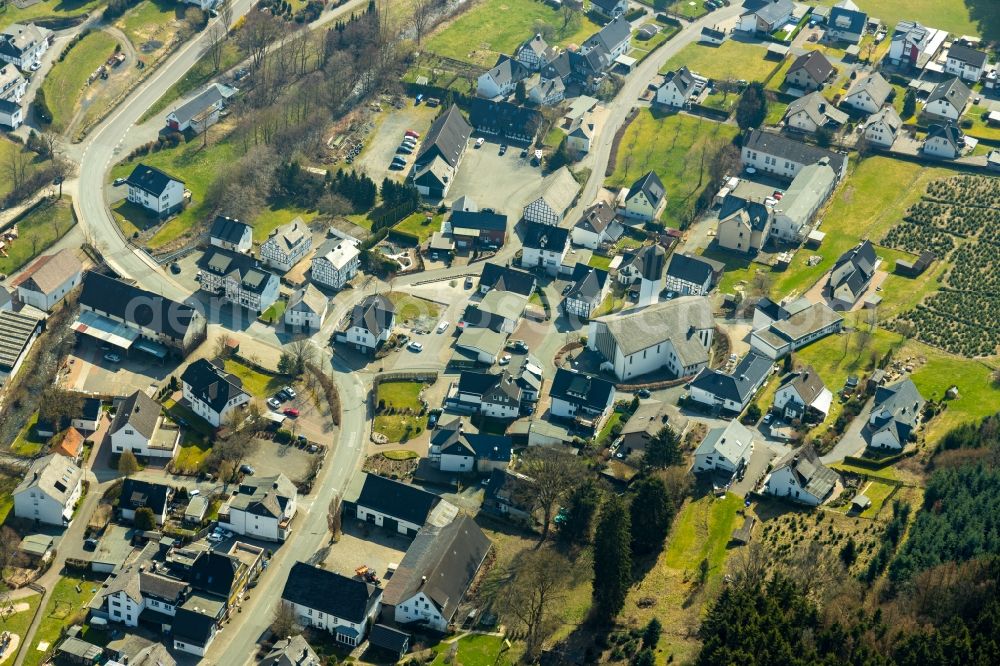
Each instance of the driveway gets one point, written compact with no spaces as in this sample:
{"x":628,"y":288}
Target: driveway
{"x":90,"y":372}
{"x":853,"y":442}
{"x":757,"y":467}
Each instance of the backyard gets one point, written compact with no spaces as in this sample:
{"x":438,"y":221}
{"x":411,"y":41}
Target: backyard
{"x":7,"y":154}
{"x":732,"y":60}
{"x":65,"y":84}
{"x":401,"y":413}
{"x":473,"y":650}
{"x":28,"y":443}
{"x":951,"y":15}
{"x":66,"y":606}
{"x":193,"y":453}
{"x":421,"y":225}
{"x":255,"y":382}
{"x":18,"y":623}
{"x":37,"y":231}
{"x":411,"y":308}
{"x":679,"y":148}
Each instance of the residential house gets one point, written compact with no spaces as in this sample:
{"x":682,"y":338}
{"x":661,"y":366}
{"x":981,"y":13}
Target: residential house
{"x":501,"y":80}
{"x":765,"y":18}
{"x":291,"y":651}
{"x":895,"y":415}
{"x":588,"y":290}
{"x":945,"y":141}
{"x":544,"y":246}
{"x":238,"y":279}
{"x":794,"y":212}
{"x":441,"y":153}
{"x":785,"y":157}
{"x":609,"y":9}
{"x":498,"y":310}
{"x":914,"y":45}
{"x":642,"y":270}
{"x":882,"y":128}
{"x":646,"y":198}
{"x":496,"y":396}
{"x":48,"y":279}
{"x":13,"y":86}
{"x":614,"y":38}
{"x":599,"y":225}
{"x":504,"y":121}
{"x":212,"y":393}
{"x":344,"y":607}
{"x":803,"y":396}
{"x":584,"y":398}
{"x":535,"y":53}
{"x":529,"y":379}
{"x":202,"y":111}
{"x":793,"y":331}
{"x":578,"y":139}
{"x":553,"y":197}
{"x":370,"y":325}
{"x":851,"y":275}
{"x":88,"y":417}
{"x":231,"y":234}
{"x":481,"y":344}
{"x":691,"y":275}
{"x":712,"y":36}
{"x":11,"y":114}
{"x":812,"y":112}
{"x":192,"y":630}
{"x":674,"y":336}
{"x":262,"y":508}
{"x":49,"y":491}
{"x":435,"y":574}
{"x":139,"y":427}
{"x":725,"y":451}
{"x":744,"y":224}
{"x":676,"y":88}
{"x":495,"y":277}
{"x":846,"y":23}
{"x":476,"y":230}
{"x":23,"y":45}
{"x":286,"y":245}
{"x":156,"y":191}
{"x":504,"y":494}
{"x":117,"y":312}
{"x":473,"y":452}
{"x":69,"y":444}
{"x":801,"y":477}
{"x":138,"y":593}
{"x":948,"y":100}
{"x":18,"y":332}
{"x":965,"y":63}
{"x":194,"y":512}
{"x":6,"y":302}
{"x":138,"y":494}
{"x":731,"y":392}
{"x":809,"y":71}
{"x":394,"y":505}
{"x":307,"y":308}
{"x":868,"y":93}
{"x":644,"y":426}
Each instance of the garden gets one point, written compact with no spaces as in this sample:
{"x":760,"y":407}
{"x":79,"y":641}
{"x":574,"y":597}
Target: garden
{"x":67,"y":606}
{"x":733,"y":60}
{"x":400,"y":411}
{"x":37,"y":231}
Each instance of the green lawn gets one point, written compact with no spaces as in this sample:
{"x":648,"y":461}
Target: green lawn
{"x":68,"y":78}
{"x":18,"y":623}
{"x":271,"y":218}
{"x":151,"y":25}
{"x":274,"y":314}
{"x":46,"y":9}
{"x":678,"y":148}
{"x":420,"y":225}
{"x":493,"y":27}
{"x":834,"y":363}
{"x":193,"y":453}
{"x":887,"y":472}
{"x":409,"y":307}
{"x":599,"y":261}
{"x":65,"y":606}
{"x":28,"y":443}
{"x":877,"y":492}
{"x":7,"y":486}
{"x":474,"y":650}
{"x":980,"y":129}
{"x":399,"y":428}
{"x":37,"y":231}
{"x":401,"y":454}
{"x":401,"y":395}
{"x":604,"y":435}
{"x":7,"y":150}
{"x":731,"y":60}
{"x":179,"y":413}
{"x":951,"y":15}
{"x":197,"y":76}
{"x":702,"y":530}
{"x":739,"y":271}
{"x":254,"y":381}
{"x":691,"y":9}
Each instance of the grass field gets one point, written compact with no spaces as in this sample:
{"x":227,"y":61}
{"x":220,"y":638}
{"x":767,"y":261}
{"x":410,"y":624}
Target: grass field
{"x":833,"y":363}
{"x":18,"y":623}
{"x":493,"y":27}
{"x":37,"y":231}
{"x":196,"y":77}
{"x":409,"y":307}
{"x":877,"y":492}
{"x":46,"y":9}
{"x":7,"y":150}
{"x":65,"y":83}
{"x":740,"y":270}
{"x":151,"y":26}
{"x":63,"y":608}
{"x":599,"y":261}
{"x":255,"y":382}
{"x":951,"y":15}
{"x":273,"y":314}
{"x":192,"y":454}
{"x":420,"y":225}
{"x":401,"y":395}
{"x":732,"y":60}
{"x":27,"y":442}
{"x":678,"y":148}
{"x":474,"y":650}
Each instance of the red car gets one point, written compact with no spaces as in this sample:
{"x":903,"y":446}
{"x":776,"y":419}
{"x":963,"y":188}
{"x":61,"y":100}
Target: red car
{"x":291,"y":411}
{"x":410,"y":132}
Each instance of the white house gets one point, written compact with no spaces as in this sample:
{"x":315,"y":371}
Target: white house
{"x":336,"y":262}
{"x":948,"y":100}
{"x":964,"y":62}
{"x":286,"y":245}
{"x":344,"y":607}
{"x":482,"y":344}
{"x":462,"y":451}
{"x":803,"y":396}
{"x":535,"y":53}
{"x":201,"y":111}
{"x":868,"y":93}
{"x":544,"y":246}
{"x":895,"y":415}
{"x":262,"y":508}
{"x":913,"y":45}
{"x":733,"y":391}
{"x":582,"y":397}
{"x":809,"y":71}
{"x":306,"y":308}
{"x":800,"y":476}
{"x":578,"y":139}
{"x":788,"y":332}
{"x":674,"y":335}
{"x":784,"y":157}
{"x":724,"y":450}
{"x":609,"y":9}
{"x":676,"y":88}
{"x":154,"y":190}
{"x":552,"y":198}
{"x":49,"y":491}
{"x":945,"y":141}
{"x":598,"y":225}
{"x":23,"y":45}
{"x":589,"y":286}
{"x":238,"y":279}
{"x":399,"y":507}
{"x":496,"y":396}
{"x":48,"y":280}
{"x":766,"y":18}
{"x":370,"y":325}
{"x":811,"y":112}
{"x":211,"y":393}
{"x":810,"y":189}
{"x":646,"y":198}
{"x":691,"y":275}
{"x":11,"y":114}
{"x":882,"y":128}
{"x":139,"y":427}
{"x":501,"y":79}
{"x":642,"y":270}
{"x":137,"y":587}
{"x":852,"y":274}
{"x":231,"y":234}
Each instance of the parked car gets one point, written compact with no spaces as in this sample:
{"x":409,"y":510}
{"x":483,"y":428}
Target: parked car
{"x":273,"y":403}
{"x":432,"y":420}
{"x":442,"y":327}
{"x":397,"y":166}
{"x":90,"y":544}
{"x":415,"y":346}
{"x":404,"y":150}
{"x":505,"y":359}
{"x":291,"y":411}
{"x":468,"y":282}
{"x":175,"y":268}
{"x":118,"y":181}
{"x":479,"y":142}
{"x":503,"y":148}
{"x":112,"y":358}
{"x":290,"y":392}
{"x":248,"y":469}
{"x":409,"y":132}
{"x":519,"y":346}
{"x":767,"y":418}
{"x":643,"y":393}
{"x":402,"y":339}
{"x":215,"y":537}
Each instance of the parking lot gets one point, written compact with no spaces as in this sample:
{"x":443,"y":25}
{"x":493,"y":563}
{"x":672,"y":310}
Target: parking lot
{"x":511,"y":179}
{"x":365,"y":544}
{"x":88,"y":370}
{"x":382,"y":143}
{"x":271,"y":458}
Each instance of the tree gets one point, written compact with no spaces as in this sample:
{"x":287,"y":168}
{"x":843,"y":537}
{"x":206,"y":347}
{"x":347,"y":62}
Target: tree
{"x":283,"y":623}
{"x":260,"y":30}
{"x":553,"y":473}
{"x":571,"y":19}
{"x":612,"y":559}
{"x":217,"y":36}
{"x":753,"y":413}
{"x":652,"y":512}
{"x":849,"y":552}
{"x":423,"y":14}
{"x":909,"y":103}
{"x":787,"y":364}
{"x":651,"y":634}
{"x":127,"y":463}
{"x":521,"y":92}
{"x":645,"y":658}
{"x":296,"y":357}
{"x":58,"y":407}
{"x":230,"y":453}
{"x":752,"y":107}
{"x":533,"y":590}
{"x":663,"y":450}
{"x":334,"y":518}
{"x":16,"y":167}
{"x":581,"y":509}
{"x":9,"y":542}
{"x":144,"y":519}
{"x":824,"y":137}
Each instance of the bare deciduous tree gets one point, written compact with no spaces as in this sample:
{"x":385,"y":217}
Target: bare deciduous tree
{"x":553,"y":473}
{"x":533,"y":590}
{"x":283,"y":623}
{"x":334,"y":518}
{"x":217,"y":36}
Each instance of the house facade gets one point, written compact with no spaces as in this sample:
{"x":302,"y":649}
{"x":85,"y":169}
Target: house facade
{"x":966,"y":63}
{"x":238,"y":279}
{"x":286,"y":245}
{"x":139,"y":427}
{"x":262,"y":508}
{"x":943,"y":141}
{"x":895,"y":414}
{"x":725,"y":451}
{"x":370,"y":325}
{"x":869,"y":93}
{"x":327,"y":601}
{"x":731,"y":392}
{"x":336,"y":262}
{"x":23,"y":45}
{"x":676,"y":89}
{"x":948,"y":100}
{"x":785,"y":157}
{"x":882,"y":128}
{"x":646,"y":198}
{"x":810,"y":71}
{"x":154,"y":190}
{"x":803,"y":396}
{"x":544,"y":247}
{"x":581,"y":397}
{"x":231,"y":234}
{"x":49,"y":491}
{"x":48,"y":279}
{"x":689,"y":275}
{"x":306,"y":309}
{"x":598,"y":225}
{"x":552,"y":199}
{"x":211,"y":393}
{"x":801,"y":477}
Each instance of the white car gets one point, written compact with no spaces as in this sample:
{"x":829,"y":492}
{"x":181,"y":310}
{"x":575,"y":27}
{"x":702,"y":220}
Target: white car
{"x":290,"y":392}
{"x":479,"y":142}
{"x":415,"y":346}
{"x":443,"y":326}
{"x":505,"y":359}
{"x":273,"y":403}
{"x":215,"y":536}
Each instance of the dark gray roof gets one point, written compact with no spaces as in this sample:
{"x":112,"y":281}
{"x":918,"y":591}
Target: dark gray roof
{"x":650,"y":185}
{"x":504,"y":391}
{"x":597,"y":218}
{"x":862,"y":260}
{"x":794,"y":151}
{"x":738,"y":386}
{"x":611,"y":35}
{"x":507,"y":71}
{"x":388,"y":638}
{"x":903,"y":403}
{"x":949,"y":132}
{"x":588,"y":284}
{"x":815,"y":477}
{"x":482,"y":220}
{"x":647,"y":261}
{"x":346,"y":598}
{"x":690,"y":268}
{"x":713,"y":33}
{"x":137,"y":306}
{"x":476,"y":383}
{"x":211,"y":385}
{"x":606,"y":5}
{"x":953,"y":90}
{"x":374,"y":314}
{"x":545,"y":237}
{"x":581,"y":389}
{"x":447,"y":138}
{"x":847,"y":20}
{"x":683,"y":80}
{"x":138,"y":411}
{"x":150,"y":179}
{"x":137,"y":494}
{"x":807,"y":383}
{"x":964,"y":54}
{"x":227,"y":229}
{"x":396,"y":499}
{"x":214,"y":572}
{"x":252,"y":275}
{"x":214,"y":94}
{"x":192,"y":627}
{"x":506,"y":278}
{"x":292,"y":651}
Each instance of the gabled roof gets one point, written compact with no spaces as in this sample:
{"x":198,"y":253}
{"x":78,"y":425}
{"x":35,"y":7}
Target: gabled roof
{"x":875,"y":85}
{"x":447,"y":138}
{"x":682,"y":80}
{"x":442,"y":562}
{"x":211,"y":385}
{"x":847,"y":19}
{"x":137,"y":494}
{"x":677,"y":321}
{"x":476,"y":383}
{"x":539,"y":47}
{"x":611,"y":35}
{"x":54,"y":475}
{"x":967,"y":55}
{"x":540,"y":236}
{"x":228,"y":230}
{"x":139,"y":412}
{"x":397,"y":499}
{"x":264,"y":496}
{"x":772,"y":11}
{"x":558,"y":190}
{"x":948,"y":133}
{"x":150,"y":179}
{"x":136,"y":306}
{"x":581,"y":389}
{"x":213,"y":94}
{"x":70,"y":445}
{"x":49,"y":272}
{"x":17,"y":37}
{"x":387,"y":638}
{"x":215,"y":573}
{"x":495,"y":448}
{"x":647,"y":261}
{"x":507,"y":71}
{"x":690,"y":268}
{"x":16,"y":331}
{"x":902,"y":401}
{"x":289,"y":236}
{"x":482,"y":220}
{"x":346,"y":598}
{"x":756,"y":214}
{"x":887,"y":115}
{"x":507,"y":278}
{"x":781,"y":146}
{"x":192,"y":627}
{"x":952,"y":91}
{"x":588,"y":284}
{"x":812,"y":475}
{"x":337,"y":251}
{"x":374,"y":314}
{"x":308,"y":299}
{"x":713,"y":33}
{"x":650,"y":185}
{"x":818,"y":109}
{"x":597,"y":218}
{"x":606,"y":5}
{"x":739,"y":385}
{"x":293,"y":651}
{"x":228,"y":264}
{"x":481,"y":339}
{"x":862,"y":260}
{"x":806,"y":383}
{"x":731,"y":442}
{"x":503,"y":304}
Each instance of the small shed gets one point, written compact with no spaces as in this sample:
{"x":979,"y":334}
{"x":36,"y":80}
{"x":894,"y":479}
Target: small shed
{"x":393,"y":641}
{"x":196,"y":509}
{"x":742,"y":535}
{"x":37,"y":547}
{"x":815,"y":238}
{"x":777,"y":51}
{"x":860,"y":503}
{"x":75,"y":650}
